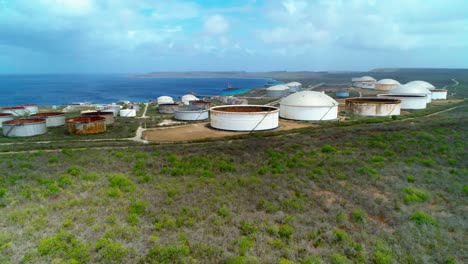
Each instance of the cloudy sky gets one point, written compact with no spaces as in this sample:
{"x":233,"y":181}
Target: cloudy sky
{"x":137,"y":36}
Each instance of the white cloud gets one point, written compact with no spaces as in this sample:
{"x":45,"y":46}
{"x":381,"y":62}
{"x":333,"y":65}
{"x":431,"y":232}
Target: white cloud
{"x":216,"y":24}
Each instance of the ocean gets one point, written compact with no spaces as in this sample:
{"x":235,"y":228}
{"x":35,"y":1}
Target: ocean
{"x":103,"y":89}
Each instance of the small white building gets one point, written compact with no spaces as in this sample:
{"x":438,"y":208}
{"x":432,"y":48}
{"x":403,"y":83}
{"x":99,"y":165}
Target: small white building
{"x":279,"y":90}
{"x":309,"y":106}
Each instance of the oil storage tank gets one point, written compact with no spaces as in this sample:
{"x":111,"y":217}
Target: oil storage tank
{"x":168,"y":108}
{"x":279,"y":90}
{"x":165,"y":100}
{"x":187,"y":114}
{"x":31,"y":109}
{"x":53,"y":119}
{"x":408,"y":101}
{"x":294,"y":87}
{"x":363,"y":106}
{"x":412,"y":89}
{"x":14,"y":110}
{"x":244,"y":117}
{"x":199,"y":104}
{"x":128,"y":113}
{"x":113,"y":108}
{"x":386,"y":84}
{"x":5,"y":117}
{"x":27,"y":127}
{"x":438,"y":94}
{"x":187,"y":98}
{"x":109,"y":116}
{"x":86,"y":125}
{"x":309,"y":106}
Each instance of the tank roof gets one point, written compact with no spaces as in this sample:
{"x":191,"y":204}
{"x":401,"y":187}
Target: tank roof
{"x":97,"y":113}
{"x":46,"y":114}
{"x":308,"y":98}
{"x":5,"y":114}
{"x":25,"y":121}
{"x":244,"y":108}
{"x":294,"y":84}
{"x":423,"y":84}
{"x":388,"y":81}
{"x":410,"y":88}
{"x":278,"y":87}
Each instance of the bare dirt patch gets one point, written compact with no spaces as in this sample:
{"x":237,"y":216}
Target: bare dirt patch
{"x":204,"y":131}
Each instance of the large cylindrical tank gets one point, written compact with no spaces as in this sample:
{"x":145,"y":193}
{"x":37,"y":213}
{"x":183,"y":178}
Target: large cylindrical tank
{"x":244,"y":117}
{"x":168,"y":108}
{"x":279,"y":90}
{"x":15,"y":110}
{"x":412,"y":88}
{"x":199,"y":104}
{"x":53,"y":119}
{"x":309,"y":106}
{"x":408,"y":101}
{"x":31,"y":109}
{"x":5,"y":117}
{"x":24,"y":127}
{"x":386,"y":84}
{"x":128,"y":113}
{"x":294,"y":87}
{"x":191,"y":114}
{"x":113,"y":108}
{"x":165,"y":100}
{"x":187,"y":98}
{"x":439,"y":94}
{"x":86,"y":125}
{"x":108,"y":115}
{"x":373,"y":106}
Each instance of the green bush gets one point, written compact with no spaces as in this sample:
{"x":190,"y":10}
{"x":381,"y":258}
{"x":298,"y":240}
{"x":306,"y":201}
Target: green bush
{"x":422,"y":218}
{"x":3,"y":192}
{"x":312,"y":260}
{"x":414,"y":195}
{"x":121,"y":182}
{"x":341,"y":235}
{"x":245,"y":244}
{"x":224,"y":211}
{"x":382,"y":254}
{"x":247,"y":229}
{"x":110,"y":251}
{"x":339,"y":259}
{"x":285,"y":231}
{"x":328,"y":149}
{"x":65,"y":180}
{"x":64,"y":245}
{"x":242,"y":260}
{"x":341,"y":218}
{"x":359,"y":215}
{"x":168,"y":254}
{"x":75,"y":170}
{"x":411,"y":178}
{"x":465,"y":189}
{"x":138,"y":207}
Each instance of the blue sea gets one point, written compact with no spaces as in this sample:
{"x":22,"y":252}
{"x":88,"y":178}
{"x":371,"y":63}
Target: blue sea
{"x":65,"y":89}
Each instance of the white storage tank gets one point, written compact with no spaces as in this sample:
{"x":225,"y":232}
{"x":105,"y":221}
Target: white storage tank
{"x":187,"y":98}
{"x":408,"y":101}
{"x":5,"y":117}
{"x":24,"y":127}
{"x":115,"y":109}
{"x":412,"y":89}
{"x":439,"y":94}
{"x":165,"y":100}
{"x":168,"y":108}
{"x":365,"y":82}
{"x":31,"y":109}
{"x":186,"y":114}
{"x":364,"y":106}
{"x":53,"y":119}
{"x":309,"y":106}
{"x":386,"y":84}
{"x":128,"y":113}
{"x":279,"y":90}
{"x":294,"y":87}
{"x":244,"y":117}
{"x":15,"y":110}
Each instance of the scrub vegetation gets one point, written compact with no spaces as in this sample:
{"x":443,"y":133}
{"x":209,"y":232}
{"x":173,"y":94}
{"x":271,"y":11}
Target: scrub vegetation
{"x":393,"y":192}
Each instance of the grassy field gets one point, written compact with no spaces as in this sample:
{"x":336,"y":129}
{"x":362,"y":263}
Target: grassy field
{"x":393,"y":192}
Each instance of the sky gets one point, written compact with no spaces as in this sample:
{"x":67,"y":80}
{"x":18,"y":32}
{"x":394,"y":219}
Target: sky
{"x":139,"y":36}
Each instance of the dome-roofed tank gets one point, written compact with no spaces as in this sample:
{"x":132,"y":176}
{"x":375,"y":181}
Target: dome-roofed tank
{"x":168,"y":108}
{"x":309,"y":106}
{"x":30,"y":108}
{"x":279,"y":90}
{"x":53,"y":119}
{"x":408,"y":101}
{"x":422,"y":84}
{"x":86,"y":125}
{"x":412,"y":89}
{"x":294,"y":86}
{"x":27,"y":127}
{"x":5,"y":117}
{"x":386,"y":84}
{"x":14,"y":110}
{"x":187,"y":98}
{"x":244,"y":117}
{"x":367,"y":79}
{"x":165,"y":100}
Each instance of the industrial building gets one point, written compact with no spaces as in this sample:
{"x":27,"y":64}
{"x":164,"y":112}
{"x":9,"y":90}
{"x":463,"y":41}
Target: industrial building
{"x":24,"y":127}
{"x":386,"y":84}
{"x":309,"y":106}
{"x":279,"y":90}
{"x":364,"y":82}
{"x":363,"y":106}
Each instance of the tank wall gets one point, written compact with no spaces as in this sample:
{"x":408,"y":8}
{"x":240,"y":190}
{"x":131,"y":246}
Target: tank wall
{"x":128,"y":113}
{"x":5,"y":118}
{"x":373,"y":109}
{"x":409,"y":102}
{"x":385,"y":87}
{"x":54,"y":121}
{"x":86,"y":128}
{"x":167,"y":109}
{"x":114,"y":110}
{"x":244,"y":122}
{"x":277,"y":93}
{"x":309,"y":113}
{"x":191,"y":115}
{"x":439,"y":95}
{"x":32,"y":109}
{"x":28,"y":130}
{"x":15,"y":112}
